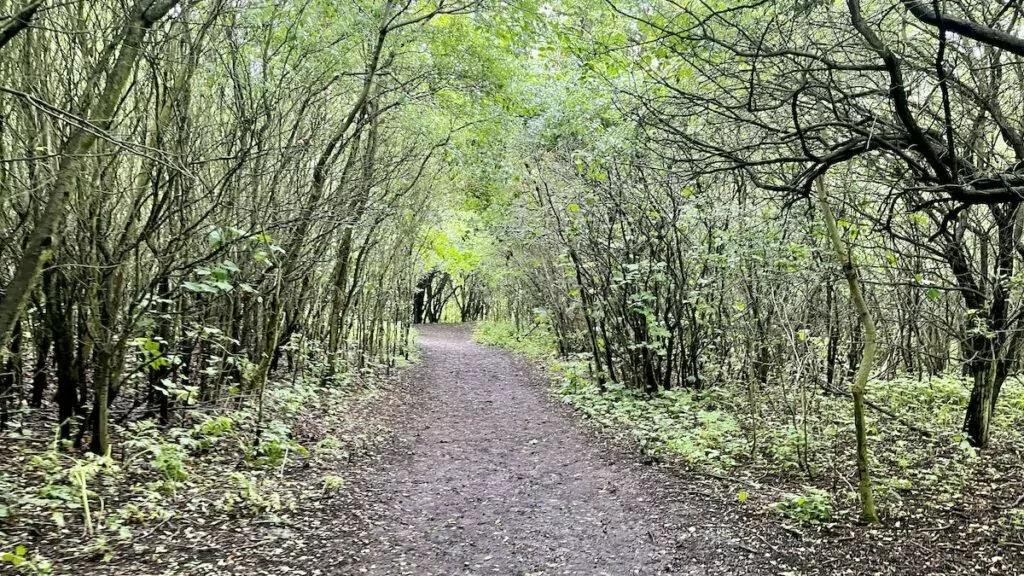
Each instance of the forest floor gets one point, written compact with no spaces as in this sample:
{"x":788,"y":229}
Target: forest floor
{"x":491,"y":475}
{"x":468,"y":465}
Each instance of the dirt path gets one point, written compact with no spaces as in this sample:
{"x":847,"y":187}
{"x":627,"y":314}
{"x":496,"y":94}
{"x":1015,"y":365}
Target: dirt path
{"x":465,"y":465}
{"x":496,"y":479}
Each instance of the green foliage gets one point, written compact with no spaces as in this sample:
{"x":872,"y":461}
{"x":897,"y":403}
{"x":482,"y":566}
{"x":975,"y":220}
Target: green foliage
{"x":681,"y":423}
{"x":332,"y":484}
{"x":534,"y":343}
{"x":1013,"y":519}
{"x":813,"y":506}
{"x":81,"y":474}
{"x":168,"y":460}
{"x":253,"y":494}
{"x":164,"y":468}
{"x":167,"y":453}
{"x":19,"y":558}
{"x":329,"y":444}
{"x":209,"y":430}
{"x":549,"y":157}
{"x":712,"y":430}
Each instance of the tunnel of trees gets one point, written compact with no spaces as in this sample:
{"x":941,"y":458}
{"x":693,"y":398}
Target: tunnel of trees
{"x":777,"y":202}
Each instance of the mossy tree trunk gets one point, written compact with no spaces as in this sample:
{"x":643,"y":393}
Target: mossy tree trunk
{"x":867,"y":359}
{"x":43,"y":238}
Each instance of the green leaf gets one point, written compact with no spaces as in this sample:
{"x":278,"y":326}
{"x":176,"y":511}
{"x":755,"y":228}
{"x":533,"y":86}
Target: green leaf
{"x":216,"y":237}
{"x":198,"y":287}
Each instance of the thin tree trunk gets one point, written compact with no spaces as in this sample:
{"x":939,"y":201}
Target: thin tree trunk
{"x":43,"y":238}
{"x":867,"y":359}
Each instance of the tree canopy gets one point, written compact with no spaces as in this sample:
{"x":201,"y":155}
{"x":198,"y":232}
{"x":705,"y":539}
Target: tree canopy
{"x":777,"y":205}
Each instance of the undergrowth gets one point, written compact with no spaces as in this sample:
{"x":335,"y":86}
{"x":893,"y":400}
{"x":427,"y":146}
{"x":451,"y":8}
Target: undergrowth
{"x":920,"y":458}
{"x":213,"y":461}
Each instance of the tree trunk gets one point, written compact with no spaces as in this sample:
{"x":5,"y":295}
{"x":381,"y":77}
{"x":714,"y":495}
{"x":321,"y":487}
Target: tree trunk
{"x":39,"y":377}
{"x":43,"y":238}
{"x":990,"y":340}
{"x":860,"y":381}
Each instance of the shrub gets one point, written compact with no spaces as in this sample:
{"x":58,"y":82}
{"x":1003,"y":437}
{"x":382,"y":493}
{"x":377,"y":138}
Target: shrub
{"x":811,"y":507}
